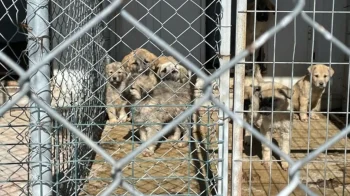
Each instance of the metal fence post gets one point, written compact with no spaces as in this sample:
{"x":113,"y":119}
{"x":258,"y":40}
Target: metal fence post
{"x":40,"y":122}
{"x":225,"y":31}
{"x":237,"y":135}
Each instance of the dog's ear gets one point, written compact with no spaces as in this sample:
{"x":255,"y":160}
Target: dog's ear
{"x":270,"y":5}
{"x":310,"y":69}
{"x":287,"y":92}
{"x":154,"y":64}
{"x":331,"y":71}
{"x":125,"y":74}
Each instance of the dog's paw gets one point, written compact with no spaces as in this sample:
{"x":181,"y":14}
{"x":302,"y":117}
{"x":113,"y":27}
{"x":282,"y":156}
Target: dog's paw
{"x":112,"y":121}
{"x":314,"y":117}
{"x":296,"y":116}
{"x":147,"y":153}
{"x":265,"y":164}
{"x":284,"y":165}
{"x":171,"y":138}
{"x":303,"y":118}
{"x":123,"y":118}
{"x":181,"y":144}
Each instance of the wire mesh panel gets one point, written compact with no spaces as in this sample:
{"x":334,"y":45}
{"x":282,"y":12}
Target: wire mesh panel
{"x":153,"y":68}
{"x":14,"y":124}
{"x":187,"y":170}
{"x":288,"y":61}
{"x":77,"y":92}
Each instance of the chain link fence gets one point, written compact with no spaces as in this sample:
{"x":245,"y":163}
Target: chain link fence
{"x":55,"y":138}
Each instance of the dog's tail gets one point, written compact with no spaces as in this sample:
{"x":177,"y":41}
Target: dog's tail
{"x":257,"y":73}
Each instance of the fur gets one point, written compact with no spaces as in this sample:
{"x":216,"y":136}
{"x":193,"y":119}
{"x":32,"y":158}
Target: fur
{"x":320,"y":75}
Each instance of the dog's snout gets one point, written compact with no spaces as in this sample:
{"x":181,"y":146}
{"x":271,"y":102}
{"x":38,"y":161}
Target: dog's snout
{"x":114,"y":77}
{"x":321,"y":83}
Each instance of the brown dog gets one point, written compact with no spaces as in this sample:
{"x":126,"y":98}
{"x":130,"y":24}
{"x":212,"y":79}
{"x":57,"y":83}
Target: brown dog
{"x":139,"y":60}
{"x":169,"y":69}
{"x":166,"y":69}
{"x":280,"y":96}
{"x":116,"y":76}
{"x":142,"y":86}
{"x":320,"y":75}
{"x":155,"y":114}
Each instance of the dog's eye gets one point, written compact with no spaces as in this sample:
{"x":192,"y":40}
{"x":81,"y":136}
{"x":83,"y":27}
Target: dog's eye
{"x":145,"y":61}
{"x":316,"y":75}
{"x":325,"y":76}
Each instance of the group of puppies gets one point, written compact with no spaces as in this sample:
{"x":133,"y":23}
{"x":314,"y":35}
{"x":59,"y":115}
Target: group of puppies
{"x":142,"y":79}
{"x":262,"y":97}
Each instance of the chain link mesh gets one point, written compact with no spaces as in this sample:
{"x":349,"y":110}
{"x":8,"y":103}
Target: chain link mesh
{"x":92,"y":158}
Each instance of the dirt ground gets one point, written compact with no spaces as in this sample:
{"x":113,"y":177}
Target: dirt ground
{"x":14,"y":153}
{"x":169,"y":171}
{"x":189,"y":171}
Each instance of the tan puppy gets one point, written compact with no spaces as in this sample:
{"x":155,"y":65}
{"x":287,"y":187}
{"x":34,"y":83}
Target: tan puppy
{"x":170,"y":69}
{"x":116,"y":76}
{"x":320,"y":75}
{"x":250,"y":103}
{"x":154,"y":115}
{"x":139,"y":60}
{"x":280,"y":96}
{"x":167,"y":69}
{"x":142,"y":86}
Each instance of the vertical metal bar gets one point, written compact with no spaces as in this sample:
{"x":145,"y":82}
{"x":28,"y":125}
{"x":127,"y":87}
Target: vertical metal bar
{"x":346,"y":138}
{"x":347,"y":86}
{"x":40,"y":122}
{"x":107,"y":35}
{"x":237,"y":137}
{"x":225,"y":49}
{"x":292,"y":87}
{"x":273,"y":95}
{"x":252,"y":120}
{"x":310,"y":91}
{"x":329,"y":100}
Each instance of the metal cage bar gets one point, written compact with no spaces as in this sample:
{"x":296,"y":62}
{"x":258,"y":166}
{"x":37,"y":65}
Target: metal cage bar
{"x":40,"y":130}
{"x":224,"y":89}
{"x":237,"y":132}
